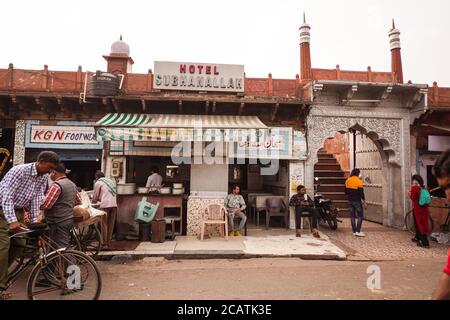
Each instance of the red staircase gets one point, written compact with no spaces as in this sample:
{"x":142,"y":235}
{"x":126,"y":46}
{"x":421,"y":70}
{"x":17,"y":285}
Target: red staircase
{"x":332,"y":181}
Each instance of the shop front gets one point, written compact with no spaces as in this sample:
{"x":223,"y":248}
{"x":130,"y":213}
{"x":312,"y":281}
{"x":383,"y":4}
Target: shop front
{"x":7,"y":132}
{"x":205,"y":154}
{"x":75,"y":143}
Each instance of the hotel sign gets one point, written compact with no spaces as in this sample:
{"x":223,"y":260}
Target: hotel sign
{"x":198,"y":76}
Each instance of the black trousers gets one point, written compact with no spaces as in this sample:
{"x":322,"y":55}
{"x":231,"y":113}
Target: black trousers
{"x":299,"y":212}
{"x":59,"y":233}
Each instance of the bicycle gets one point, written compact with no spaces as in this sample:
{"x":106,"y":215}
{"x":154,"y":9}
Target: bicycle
{"x":56,"y":274}
{"x":410,"y":226}
{"x":86,"y":237}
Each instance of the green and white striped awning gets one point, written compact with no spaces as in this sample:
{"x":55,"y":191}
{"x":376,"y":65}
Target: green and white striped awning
{"x":150,"y":127}
{"x":124,"y":120}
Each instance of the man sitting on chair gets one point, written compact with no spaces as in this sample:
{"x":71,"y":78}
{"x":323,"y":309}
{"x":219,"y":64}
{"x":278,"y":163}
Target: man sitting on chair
{"x":235,"y":205}
{"x":303,"y":203}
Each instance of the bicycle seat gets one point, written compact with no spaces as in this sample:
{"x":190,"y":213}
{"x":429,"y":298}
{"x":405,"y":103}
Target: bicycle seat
{"x":34,"y":230}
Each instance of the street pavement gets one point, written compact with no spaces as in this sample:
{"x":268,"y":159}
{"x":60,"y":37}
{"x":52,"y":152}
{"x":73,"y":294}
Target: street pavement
{"x":406,"y":271}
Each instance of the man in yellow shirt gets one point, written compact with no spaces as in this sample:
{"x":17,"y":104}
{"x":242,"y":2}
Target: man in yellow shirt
{"x":355,"y":192}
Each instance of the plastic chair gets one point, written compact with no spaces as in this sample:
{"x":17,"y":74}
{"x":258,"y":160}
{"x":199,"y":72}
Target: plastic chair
{"x":145,"y":211}
{"x":215,"y":214}
{"x":275,"y":207}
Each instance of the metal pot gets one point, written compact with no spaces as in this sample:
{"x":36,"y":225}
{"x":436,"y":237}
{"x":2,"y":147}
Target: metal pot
{"x":165,"y":190}
{"x":126,"y":188}
{"x":143,"y":190}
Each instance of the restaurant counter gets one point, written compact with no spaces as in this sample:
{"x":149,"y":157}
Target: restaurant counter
{"x":126,"y":210}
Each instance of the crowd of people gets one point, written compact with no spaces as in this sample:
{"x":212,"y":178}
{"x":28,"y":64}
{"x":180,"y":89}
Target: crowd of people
{"x":42,"y":192}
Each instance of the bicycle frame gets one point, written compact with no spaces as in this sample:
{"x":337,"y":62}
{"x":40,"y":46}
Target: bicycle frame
{"x":40,"y":257}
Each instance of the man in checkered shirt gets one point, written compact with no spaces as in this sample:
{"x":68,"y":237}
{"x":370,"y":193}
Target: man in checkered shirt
{"x":21,"y":189}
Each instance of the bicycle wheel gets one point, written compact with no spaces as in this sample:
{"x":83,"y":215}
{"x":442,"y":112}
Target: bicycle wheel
{"x":91,"y":241}
{"x":73,"y":275}
{"x":75,"y":240}
{"x":410,"y":225}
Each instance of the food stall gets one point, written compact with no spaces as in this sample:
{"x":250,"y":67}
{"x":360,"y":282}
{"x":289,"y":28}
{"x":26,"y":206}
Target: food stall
{"x":194,"y":150}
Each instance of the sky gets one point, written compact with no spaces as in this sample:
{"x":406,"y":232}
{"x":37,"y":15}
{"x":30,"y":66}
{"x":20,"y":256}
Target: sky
{"x":262,"y":35}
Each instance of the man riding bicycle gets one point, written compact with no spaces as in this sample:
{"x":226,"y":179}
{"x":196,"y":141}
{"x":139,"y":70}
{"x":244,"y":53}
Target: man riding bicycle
{"x":21,"y":189}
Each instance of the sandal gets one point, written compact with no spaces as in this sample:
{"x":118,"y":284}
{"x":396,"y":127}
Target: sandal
{"x":298,"y":234}
{"x":316,"y":234}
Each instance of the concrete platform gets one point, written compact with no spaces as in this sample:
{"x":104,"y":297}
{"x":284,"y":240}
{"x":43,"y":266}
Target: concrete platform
{"x":306,"y":247}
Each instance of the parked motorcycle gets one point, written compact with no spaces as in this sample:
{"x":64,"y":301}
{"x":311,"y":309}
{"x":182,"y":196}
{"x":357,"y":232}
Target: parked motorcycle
{"x":327,"y":212}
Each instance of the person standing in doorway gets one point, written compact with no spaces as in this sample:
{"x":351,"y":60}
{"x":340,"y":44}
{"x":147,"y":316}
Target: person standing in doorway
{"x":355,"y":192}
{"x":105,"y":192}
{"x":420,"y":213}
{"x":21,"y":189}
{"x":155,"y":179}
{"x":442,"y":173}
{"x":58,"y":204}
{"x":235,"y":206}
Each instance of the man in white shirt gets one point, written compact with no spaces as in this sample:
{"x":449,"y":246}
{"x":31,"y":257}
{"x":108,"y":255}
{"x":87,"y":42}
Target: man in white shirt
{"x":155,"y":179}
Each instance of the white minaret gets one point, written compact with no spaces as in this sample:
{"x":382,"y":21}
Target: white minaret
{"x":305,"y":35}
{"x":394,"y":37}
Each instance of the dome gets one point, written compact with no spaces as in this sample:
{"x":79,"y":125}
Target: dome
{"x":120,"y":47}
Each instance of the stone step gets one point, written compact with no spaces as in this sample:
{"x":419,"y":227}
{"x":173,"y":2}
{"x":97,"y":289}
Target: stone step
{"x":327,"y":160}
{"x":334,"y":195}
{"x":328,"y":173}
{"x":327,"y":166}
{"x":332,"y":188}
{"x":330,"y":180}
{"x":341,"y":204}
{"x":324,"y":156}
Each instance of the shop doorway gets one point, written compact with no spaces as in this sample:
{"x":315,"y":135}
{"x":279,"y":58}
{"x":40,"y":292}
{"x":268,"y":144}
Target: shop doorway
{"x":347,"y":151}
{"x":82,"y":173}
{"x":6,"y":150}
{"x":255,"y":188}
{"x":82,"y":164}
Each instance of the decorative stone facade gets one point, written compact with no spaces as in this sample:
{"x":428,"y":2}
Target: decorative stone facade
{"x":195,"y":209}
{"x":387,"y":124}
{"x":19,"y":143}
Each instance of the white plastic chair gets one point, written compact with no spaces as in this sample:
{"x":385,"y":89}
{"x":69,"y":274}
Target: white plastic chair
{"x":215,"y":214}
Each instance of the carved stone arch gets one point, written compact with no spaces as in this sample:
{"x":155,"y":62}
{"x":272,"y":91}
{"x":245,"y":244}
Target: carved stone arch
{"x":385,"y":131}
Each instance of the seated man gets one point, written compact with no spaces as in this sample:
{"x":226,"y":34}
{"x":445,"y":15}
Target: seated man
{"x":235,"y":206}
{"x":303,"y":203}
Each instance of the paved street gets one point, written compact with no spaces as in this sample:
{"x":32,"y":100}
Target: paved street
{"x":407,"y":272}
{"x":264,"y":278}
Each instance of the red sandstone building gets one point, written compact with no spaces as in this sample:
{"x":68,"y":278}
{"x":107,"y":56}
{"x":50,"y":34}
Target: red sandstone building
{"x":38,"y":105}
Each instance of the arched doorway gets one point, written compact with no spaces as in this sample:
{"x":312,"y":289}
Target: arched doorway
{"x":344,"y":152}
{"x":376,"y":149}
